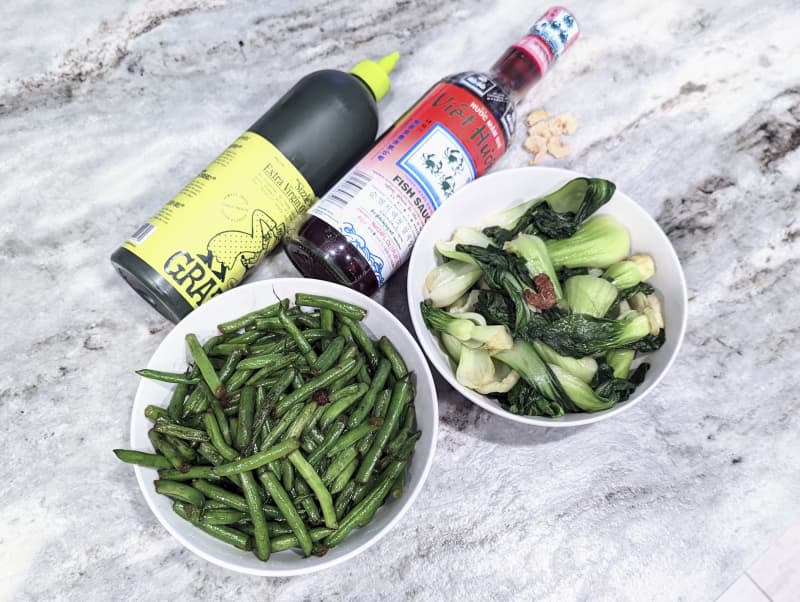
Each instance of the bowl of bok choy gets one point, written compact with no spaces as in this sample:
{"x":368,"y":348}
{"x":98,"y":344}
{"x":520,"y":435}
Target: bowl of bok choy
{"x":547,"y":297}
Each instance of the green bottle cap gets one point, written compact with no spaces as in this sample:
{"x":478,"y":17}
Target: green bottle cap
{"x":376,"y":75}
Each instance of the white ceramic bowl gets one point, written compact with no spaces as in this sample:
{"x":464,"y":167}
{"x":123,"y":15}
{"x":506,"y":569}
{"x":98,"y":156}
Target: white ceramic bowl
{"x":171,"y":355}
{"x":503,"y":189}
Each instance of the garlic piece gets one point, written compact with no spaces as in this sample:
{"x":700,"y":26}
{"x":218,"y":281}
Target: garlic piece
{"x":540,"y":129}
{"x":557,"y":148}
{"x":563,"y":124}
{"x":536,"y":116}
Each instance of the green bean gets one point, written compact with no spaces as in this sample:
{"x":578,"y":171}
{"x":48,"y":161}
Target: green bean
{"x":314,"y":433}
{"x":317,"y":486}
{"x":362,"y":489}
{"x":250,"y":336}
{"x":308,"y":320}
{"x":270,"y":324}
{"x":238,"y":380}
{"x":278,"y":494}
{"x":209,"y":346}
{"x":399,"y":398}
{"x":214,"y":492}
{"x":276,"y":529}
{"x":276,"y":361}
{"x":352,"y":437}
{"x":167,"y":377}
{"x":206,"y":369}
{"x":254,"y":503}
{"x":340,"y":401}
{"x":344,"y":477}
{"x":318,"y":382}
{"x":182,"y":432}
{"x":348,"y":376}
{"x":332,"y":434}
{"x":160,"y":444}
{"x":285,"y":542}
{"x":231,"y":412}
{"x":368,"y":401}
{"x":344,"y":498}
{"x":344,"y":331}
{"x":180,"y":491}
{"x":216,"y":505}
{"x":197,"y":402}
{"x":258,"y":459}
{"x":321,"y":302}
{"x":366,"y":442}
{"x":362,"y":340}
{"x":307,"y":444}
{"x":399,"y":368}
{"x":155,"y":413}
{"x":221,"y":516}
{"x":212,"y":428}
{"x":405,"y":431}
{"x":363,"y":375}
{"x":363,"y":512}
{"x":382,"y":403}
{"x":193,"y":472}
{"x":184,"y":450}
{"x":312,"y":424}
{"x":210,"y":453}
{"x":228,"y":349}
{"x":244,"y":430}
{"x":287,"y":476}
{"x":307,"y":501}
{"x":298,"y":380}
{"x":397,"y":486}
{"x":326,"y":318}
{"x":283,"y":424}
{"x":231,"y":536}
{"x":222,"y":420}
{"x":301,"y":421}
{"x":248,"y":319}
{"x":280,"y":345}
{"x":339,"y":463}
{"x":328,"y":357}
{"x":297,"y":336}
{"x":229,"y":367}
{"x":175,"y":407}
{"x":268,"y":400}
{"x":142,"y":458}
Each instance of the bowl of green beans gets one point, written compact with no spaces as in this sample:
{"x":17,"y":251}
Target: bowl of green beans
{"x":283,"y":427}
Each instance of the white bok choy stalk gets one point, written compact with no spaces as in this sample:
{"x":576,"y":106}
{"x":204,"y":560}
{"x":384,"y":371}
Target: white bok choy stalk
{"x":479,"y":372}
{"x":469,"y":328}
{"x":446,"y":283}
{"x":463,"y":236}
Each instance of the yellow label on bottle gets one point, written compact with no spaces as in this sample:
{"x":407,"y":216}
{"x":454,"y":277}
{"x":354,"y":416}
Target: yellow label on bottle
{"x":224,"y":221}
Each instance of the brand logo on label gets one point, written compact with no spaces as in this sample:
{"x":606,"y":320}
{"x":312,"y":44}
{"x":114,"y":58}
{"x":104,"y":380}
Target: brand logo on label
{"x":202,"y":276}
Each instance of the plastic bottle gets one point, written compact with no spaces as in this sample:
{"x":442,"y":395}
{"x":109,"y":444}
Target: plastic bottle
{"x":223,"y":222}
{"x":363,"y":229}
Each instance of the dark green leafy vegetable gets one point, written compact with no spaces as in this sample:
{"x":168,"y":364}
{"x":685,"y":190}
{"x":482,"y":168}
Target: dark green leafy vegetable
{"x":579,"y":335}
{"x":559,"y":213}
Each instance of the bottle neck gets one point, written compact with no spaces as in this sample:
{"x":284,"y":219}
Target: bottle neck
{"x":517,"y":71}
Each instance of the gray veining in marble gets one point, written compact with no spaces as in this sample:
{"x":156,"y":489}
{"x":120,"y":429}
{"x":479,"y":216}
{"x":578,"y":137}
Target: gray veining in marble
{"x":108,"y":107}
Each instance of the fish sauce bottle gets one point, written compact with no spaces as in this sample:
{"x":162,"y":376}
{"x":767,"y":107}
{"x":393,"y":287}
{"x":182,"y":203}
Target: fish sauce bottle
{"x":206,"y":239}
{"x":364,"y":228}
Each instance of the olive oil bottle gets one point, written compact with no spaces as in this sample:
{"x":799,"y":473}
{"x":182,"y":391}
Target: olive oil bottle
{"x":206,"y":239}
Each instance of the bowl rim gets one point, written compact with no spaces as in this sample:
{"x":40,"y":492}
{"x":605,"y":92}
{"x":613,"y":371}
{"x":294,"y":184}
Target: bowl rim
{"x":435,"y":356}
{"x":404,"y":503}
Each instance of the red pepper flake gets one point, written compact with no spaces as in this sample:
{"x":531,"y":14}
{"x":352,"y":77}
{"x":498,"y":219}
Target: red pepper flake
{"x":320,"y":396}
{"x":545,"y":297}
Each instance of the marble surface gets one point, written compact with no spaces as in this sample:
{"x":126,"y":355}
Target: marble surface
{"x":108,"y":107}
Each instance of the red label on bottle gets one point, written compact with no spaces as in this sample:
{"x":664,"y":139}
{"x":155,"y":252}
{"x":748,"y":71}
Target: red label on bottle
{"x":448,"y":139}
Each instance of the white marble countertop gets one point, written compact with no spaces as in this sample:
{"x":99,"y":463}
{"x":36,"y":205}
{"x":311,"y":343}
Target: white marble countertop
{"x":107,"y":108}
